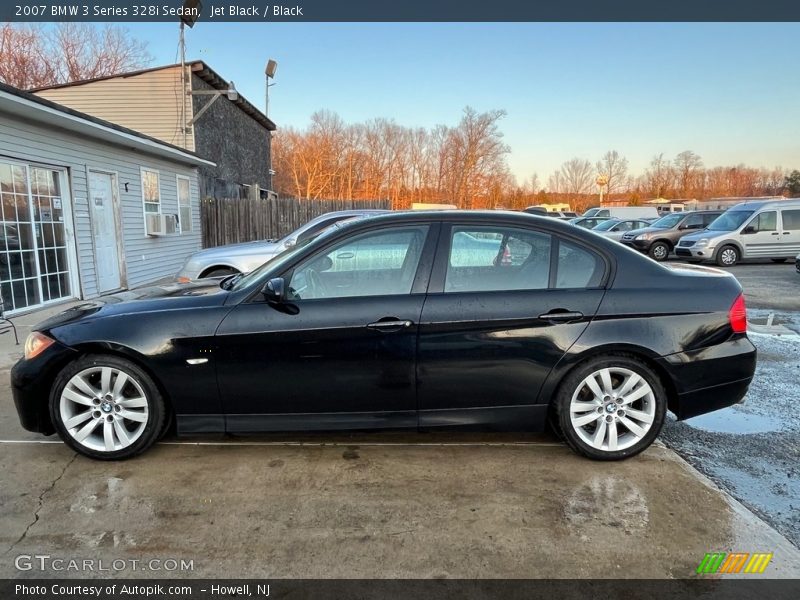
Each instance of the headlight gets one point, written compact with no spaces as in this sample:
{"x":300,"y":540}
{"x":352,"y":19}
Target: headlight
{"x":36,"y":344}
{"x":643,"y":236}
{"x":702,"y":243}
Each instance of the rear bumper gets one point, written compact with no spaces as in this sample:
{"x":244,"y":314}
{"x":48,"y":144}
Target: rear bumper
{"x":710,"y":378}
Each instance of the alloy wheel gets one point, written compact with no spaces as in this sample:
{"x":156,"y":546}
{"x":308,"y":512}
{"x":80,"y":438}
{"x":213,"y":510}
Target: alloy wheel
{"x":104,"y":408}
{"x":660,"y":252}
{"x":612,"y":409}
{"x":728,"y":256}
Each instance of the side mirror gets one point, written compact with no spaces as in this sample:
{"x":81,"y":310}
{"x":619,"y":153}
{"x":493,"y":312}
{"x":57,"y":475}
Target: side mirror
{"x":274,"y":290}
{"x":750,"y":229}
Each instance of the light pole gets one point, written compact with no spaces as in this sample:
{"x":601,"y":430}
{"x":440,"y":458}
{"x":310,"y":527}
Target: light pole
{"x":269,"y":72}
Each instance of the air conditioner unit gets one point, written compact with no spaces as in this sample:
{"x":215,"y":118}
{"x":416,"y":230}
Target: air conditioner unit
{"x":161,"y":224}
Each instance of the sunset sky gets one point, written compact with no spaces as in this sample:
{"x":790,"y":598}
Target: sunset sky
{"x":730,"y":92}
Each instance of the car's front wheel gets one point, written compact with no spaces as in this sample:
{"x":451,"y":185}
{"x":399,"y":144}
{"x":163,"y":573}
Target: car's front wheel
{"x":107,"y":407}
{"x":610,"y":407}
{"x":728,"y":256}
{"x":659,"y":251}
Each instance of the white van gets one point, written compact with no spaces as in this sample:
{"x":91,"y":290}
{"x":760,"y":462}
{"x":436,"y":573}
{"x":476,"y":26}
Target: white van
{"x":768,"y":229}
{"x":623,"y":212}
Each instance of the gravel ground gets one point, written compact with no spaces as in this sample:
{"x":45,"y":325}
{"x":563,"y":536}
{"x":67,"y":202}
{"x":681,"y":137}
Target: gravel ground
{"x":752,"y":450}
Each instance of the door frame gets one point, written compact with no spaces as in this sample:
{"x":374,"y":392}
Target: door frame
{"x":115,"y":203}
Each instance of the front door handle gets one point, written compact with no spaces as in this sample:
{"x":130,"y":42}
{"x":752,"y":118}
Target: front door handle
{"x":561,"y":316}
{"x":775,"y":233}
{"x":389,"y":325}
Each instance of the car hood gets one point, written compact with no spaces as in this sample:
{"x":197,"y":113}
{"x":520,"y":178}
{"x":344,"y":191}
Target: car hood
{"x":646,"y":230}
{"x":260,"y":247}
{"x":706,"y":233}
{"x":171,"y":296}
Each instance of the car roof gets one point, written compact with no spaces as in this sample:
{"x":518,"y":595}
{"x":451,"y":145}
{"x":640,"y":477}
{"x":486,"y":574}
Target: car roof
{"x":766,"y":204}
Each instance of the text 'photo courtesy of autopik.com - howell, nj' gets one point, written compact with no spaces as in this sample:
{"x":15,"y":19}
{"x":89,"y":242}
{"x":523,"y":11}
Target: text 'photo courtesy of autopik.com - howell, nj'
{"x":354,"y":300}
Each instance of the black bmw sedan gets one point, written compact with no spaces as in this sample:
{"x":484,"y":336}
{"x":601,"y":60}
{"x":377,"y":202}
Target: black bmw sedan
{"x":409,"y":320}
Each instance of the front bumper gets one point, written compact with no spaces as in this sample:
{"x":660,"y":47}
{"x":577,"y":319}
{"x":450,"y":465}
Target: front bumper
{"x":704,"y":253}
{"x":640,"y":245}
{"x":31,"y":382}
{"x":710,"y":378}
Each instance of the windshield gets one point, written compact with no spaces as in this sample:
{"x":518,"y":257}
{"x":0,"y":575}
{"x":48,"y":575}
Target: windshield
{"x":242,"y":281}
{"x":591,"y":212}
{"x":669,"y":221}
{"x":730,"y":220}
{"x":606,"y":225}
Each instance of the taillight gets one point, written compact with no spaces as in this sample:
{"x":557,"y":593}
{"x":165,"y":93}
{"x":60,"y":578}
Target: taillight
{"x":737,"y":315}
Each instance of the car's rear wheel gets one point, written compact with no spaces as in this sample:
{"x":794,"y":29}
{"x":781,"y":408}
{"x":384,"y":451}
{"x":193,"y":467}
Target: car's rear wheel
{"x":659,"y":251}
{"x":728,"y":256}
{"x":107,"y":407}
{"x":610,"y":407}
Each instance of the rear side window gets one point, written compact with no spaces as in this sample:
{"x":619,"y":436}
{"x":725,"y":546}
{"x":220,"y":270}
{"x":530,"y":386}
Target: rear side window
{"x":497,"y":258}
{"x":791,"y":220}
{"x":578,"y":267}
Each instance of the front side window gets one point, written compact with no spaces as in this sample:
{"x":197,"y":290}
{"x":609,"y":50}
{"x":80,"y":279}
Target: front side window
{"x":497,"y":258}
{"x":766,"y":221}
{"x":184,"y":204}
{"x":151,"y":191}
{"x":381,"y":263}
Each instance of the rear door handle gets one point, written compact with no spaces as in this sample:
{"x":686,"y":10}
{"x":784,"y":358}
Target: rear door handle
{"x":561,"y":316}
{"x":390,"y":325}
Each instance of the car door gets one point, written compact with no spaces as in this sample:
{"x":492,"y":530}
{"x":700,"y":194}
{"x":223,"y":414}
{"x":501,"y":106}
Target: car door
{"x":790,"y":232}
{"x":761,"y":237}
{"x":500,"y":313}
{"x":340,"y":352}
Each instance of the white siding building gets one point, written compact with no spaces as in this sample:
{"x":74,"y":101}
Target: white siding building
{"x":88,"y":207}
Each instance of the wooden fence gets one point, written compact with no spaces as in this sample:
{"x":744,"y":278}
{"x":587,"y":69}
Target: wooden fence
{"x":228,"y":220}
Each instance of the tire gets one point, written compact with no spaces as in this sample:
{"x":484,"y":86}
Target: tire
{"x":119,"y":431}
{"x":778,"y":260}
{"x":659,"y":251}
{"x":728,"y":256}
{"x":219,"y":272}
{"x":571,"y":406}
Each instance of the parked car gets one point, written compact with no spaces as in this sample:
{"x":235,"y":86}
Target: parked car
{"x":242,"y":258}
{"x":588,"y":222}
{"x":386,"y":322}
{"x":623,"y":212}
{"x":614,"y":229}
{"x":659,"y":239}
{"x":535,"y":210}
{"x":769,"y":229}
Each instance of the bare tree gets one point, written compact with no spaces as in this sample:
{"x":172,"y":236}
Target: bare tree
{"x":577,"y":176}
{"x":688,"y":169}
{"x":658,"y":179}
{"x":34,"y":56}
{"x":615,"y":167}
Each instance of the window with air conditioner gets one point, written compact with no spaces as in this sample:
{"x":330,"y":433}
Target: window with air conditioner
{"x":184,"y":205}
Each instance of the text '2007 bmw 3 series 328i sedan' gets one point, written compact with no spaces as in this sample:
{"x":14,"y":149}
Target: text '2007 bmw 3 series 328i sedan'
{"x":409,"y":320}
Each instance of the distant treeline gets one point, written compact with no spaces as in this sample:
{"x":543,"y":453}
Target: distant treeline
{"x":467,"y":165}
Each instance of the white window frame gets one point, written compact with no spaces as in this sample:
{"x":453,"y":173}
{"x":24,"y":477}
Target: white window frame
{"x":142,"y":171}
{"x":188,"y":180}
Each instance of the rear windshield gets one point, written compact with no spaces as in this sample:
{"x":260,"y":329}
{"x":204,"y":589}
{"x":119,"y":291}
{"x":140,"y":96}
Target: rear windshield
{"x":730,"y":220}
{"x":669,"y":221}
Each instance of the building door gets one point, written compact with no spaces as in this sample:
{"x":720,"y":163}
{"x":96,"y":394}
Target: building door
{"x":37,"y":259}
{"x":104,"y":226}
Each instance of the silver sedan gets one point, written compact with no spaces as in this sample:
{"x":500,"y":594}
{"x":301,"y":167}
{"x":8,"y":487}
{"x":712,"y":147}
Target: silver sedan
{"x":243,"y":258}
